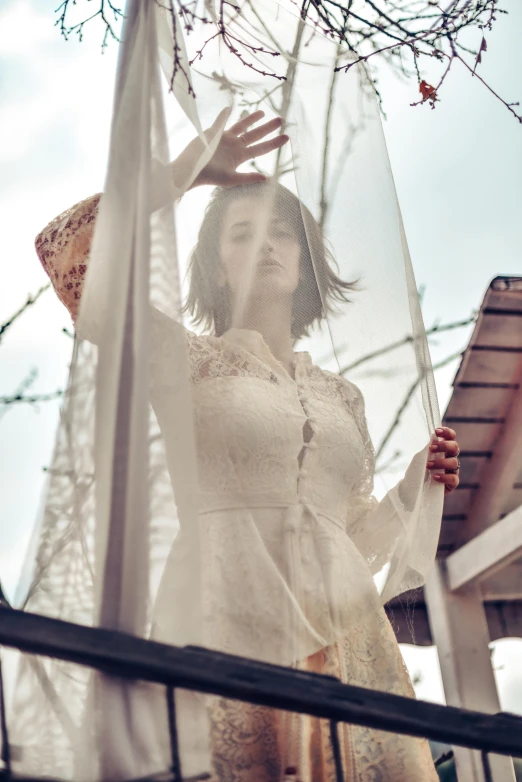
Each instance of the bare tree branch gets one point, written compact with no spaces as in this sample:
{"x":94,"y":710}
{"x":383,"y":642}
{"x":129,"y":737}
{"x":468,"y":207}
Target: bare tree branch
{"x":405,"y":34}
{"x":106,"y":6}
{"x":407,"y":398}
{"x":31,"y":299}
{"x":323,"y":199}
{"x":32,"y":400}
{"x":20,"y":395}
{"x":437,"y":329}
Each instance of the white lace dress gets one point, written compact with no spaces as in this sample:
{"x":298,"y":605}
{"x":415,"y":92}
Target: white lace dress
{"x":286,"y":474}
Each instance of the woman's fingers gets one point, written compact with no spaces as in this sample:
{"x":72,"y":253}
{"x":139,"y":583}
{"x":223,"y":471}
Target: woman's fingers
{"x":447,"y":444}
{"x":239,"y":144}
{"x":221,"y":117}
{"x":249,"y":138}
{"x":443,"y":464}
{"x":266,"y":146}
{"x":446,"y":433}
{"x":243,"y":124}
{"x":256,"y":134}
{"x":450,"y":481}
{"x":450,"y":447}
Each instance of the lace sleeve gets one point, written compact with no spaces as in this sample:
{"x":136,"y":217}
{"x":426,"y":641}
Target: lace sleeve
{"x":362,"y":500}
{"x":374,"y":526}
{"x":63,"y":249}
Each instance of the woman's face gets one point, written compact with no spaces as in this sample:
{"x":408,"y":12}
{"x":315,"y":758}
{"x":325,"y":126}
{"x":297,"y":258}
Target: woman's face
{"x":260,"y":252}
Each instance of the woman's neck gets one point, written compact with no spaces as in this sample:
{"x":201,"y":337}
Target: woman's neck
{"x":273,"y":321}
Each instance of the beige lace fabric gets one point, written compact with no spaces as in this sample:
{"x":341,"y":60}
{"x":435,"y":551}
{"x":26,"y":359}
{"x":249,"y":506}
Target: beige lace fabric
{"x":202,"y":490}
{"x":318,"y":522}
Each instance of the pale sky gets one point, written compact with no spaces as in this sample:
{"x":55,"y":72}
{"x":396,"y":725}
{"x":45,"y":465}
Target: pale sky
{"x":458,"y":172}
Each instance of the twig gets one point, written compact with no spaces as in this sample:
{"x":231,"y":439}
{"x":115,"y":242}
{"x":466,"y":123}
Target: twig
{"x":32,"y":400}
{"x":509,"y":106}
{"x":288,"y":86}
{"x":323,"y":202}
{"x":398,"y":31}
{"x":386,"y":465}
{"x":31,"y":299}
{"x":407,"y":399}
{"x":234,"y":44}
{"x":437,"y":329}
{"x":78,"y":28}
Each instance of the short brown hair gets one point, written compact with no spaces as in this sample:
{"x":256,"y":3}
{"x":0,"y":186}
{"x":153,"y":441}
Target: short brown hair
{"x":318,"y":288}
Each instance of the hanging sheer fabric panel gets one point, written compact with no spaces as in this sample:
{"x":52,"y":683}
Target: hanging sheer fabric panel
{"x":241,"y":457}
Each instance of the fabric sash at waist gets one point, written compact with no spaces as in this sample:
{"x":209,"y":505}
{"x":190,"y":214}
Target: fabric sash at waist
{"x":295,"y":508}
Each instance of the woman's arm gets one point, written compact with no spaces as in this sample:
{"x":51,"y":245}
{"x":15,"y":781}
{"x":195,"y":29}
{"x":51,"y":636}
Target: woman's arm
{"x":64,"y":245}
{"x":63,"y":248}
{"x":380,"y":528}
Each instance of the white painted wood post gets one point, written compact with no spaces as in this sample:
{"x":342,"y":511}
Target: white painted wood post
{"x":488,"y":553}
{"x":459,"y":630}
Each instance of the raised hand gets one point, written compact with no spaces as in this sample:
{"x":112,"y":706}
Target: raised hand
{"x":241,"y":142}
{"x":449,"y":462}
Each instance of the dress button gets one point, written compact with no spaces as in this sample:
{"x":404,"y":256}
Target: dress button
{"x":303,"y":473}
{"x":311,"y":445}
{"x":293,"y":518}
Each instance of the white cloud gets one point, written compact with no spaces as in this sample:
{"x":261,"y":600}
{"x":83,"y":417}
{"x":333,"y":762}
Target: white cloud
{"x":66,"y":88}
{"x":23,"y":29}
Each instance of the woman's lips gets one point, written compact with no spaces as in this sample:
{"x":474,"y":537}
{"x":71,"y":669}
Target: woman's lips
{"x":270,"y":262}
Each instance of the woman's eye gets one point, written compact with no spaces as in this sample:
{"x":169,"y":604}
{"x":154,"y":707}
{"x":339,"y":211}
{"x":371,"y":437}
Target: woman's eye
{"x":239,"y":238}
{"x":283,"y":234}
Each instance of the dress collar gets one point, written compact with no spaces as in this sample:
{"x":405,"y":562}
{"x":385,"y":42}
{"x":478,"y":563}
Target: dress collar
{"x":253,"y":342}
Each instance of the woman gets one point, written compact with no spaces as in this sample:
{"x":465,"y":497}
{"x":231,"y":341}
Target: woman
{"x":286,"y":470}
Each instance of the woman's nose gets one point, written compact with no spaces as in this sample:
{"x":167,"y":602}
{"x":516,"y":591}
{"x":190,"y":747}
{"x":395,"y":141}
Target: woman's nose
{"x":267,"y":246}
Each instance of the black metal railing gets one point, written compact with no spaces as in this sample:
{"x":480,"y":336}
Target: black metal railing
{"x":206,"y":671}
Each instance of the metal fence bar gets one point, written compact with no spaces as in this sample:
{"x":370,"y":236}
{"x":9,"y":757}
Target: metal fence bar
{"x":173,"y":733}
{"x":486,"y":766}
{"x":4,"y":735}
{"x":206,"y":671}
{"x":336,"y":747}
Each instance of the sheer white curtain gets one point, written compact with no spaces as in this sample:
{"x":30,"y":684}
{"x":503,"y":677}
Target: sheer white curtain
{"x":182,"y":452}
